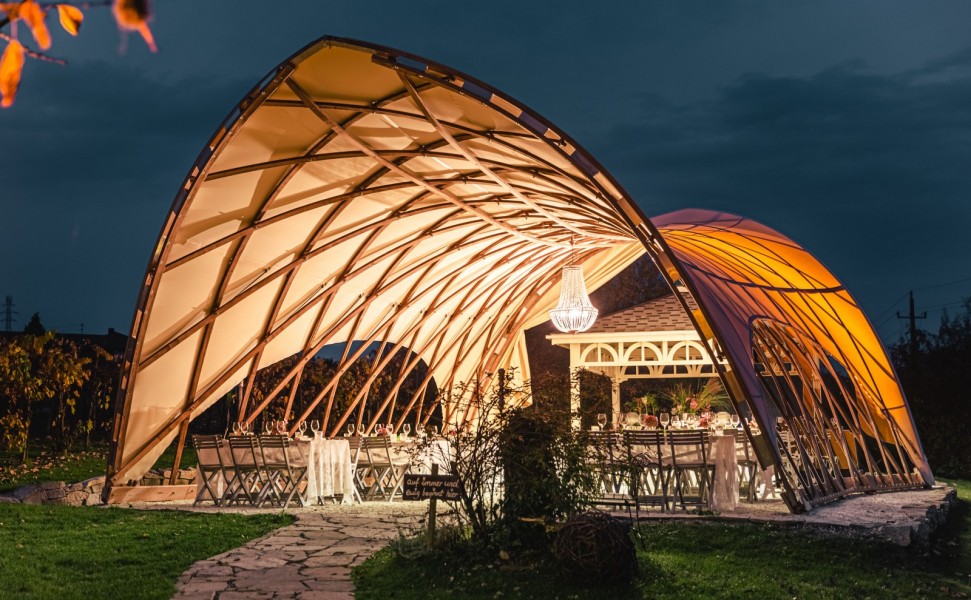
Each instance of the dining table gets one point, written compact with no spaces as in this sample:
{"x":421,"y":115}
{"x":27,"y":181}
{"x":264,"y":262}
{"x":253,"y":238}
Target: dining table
{"x":330,"y":471}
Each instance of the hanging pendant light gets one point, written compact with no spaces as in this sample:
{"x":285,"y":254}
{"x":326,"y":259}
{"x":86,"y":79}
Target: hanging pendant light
{"x":573,"y":313}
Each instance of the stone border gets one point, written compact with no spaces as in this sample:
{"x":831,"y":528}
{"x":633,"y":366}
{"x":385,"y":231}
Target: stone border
{"x":84,"y":493}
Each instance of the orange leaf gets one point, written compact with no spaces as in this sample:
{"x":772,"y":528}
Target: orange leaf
{"x":32,"y":14}
{"x":12,"y":9}
{"x":133,"y":15}
{"x":11,"y":65}
{"x":71,"y":18}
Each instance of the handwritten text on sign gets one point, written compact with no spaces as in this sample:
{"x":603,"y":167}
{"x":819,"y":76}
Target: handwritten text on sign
{"x":423,"y":487}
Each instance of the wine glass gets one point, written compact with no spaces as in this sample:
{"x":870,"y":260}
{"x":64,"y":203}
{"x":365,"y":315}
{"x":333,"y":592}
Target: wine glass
{"x":676,"y":421}
{"x":236,"y":426}
{"x":281,"y":427}
{"x":350,"y":430}
{"x":735,"y":420}
{"x":302,"y":428}
{"x":665,"y":420}
{"x":407,"y":429}
{"x":267,"y":427}
{"x":602,"y":420}
{"x":433,"y":430}
{"x":315,"y":426}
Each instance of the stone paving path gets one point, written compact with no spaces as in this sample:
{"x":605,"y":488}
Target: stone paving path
{"x":308,"y":560}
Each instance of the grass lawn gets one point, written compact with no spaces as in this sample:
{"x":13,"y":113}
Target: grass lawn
{"x":47,"y":464}
{"x":66,"y":552}
{"x":705,"y":560}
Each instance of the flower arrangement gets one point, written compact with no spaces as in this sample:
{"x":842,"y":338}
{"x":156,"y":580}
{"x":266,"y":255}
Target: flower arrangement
{"x":687,"y":399}
{"x":649,"y":421}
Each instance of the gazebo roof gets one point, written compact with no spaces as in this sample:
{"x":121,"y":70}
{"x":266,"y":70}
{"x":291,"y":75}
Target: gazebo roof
{"x":660,"y":314}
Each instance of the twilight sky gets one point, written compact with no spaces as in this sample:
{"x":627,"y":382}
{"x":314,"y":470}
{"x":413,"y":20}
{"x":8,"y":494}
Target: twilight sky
{"x":845,"y":124}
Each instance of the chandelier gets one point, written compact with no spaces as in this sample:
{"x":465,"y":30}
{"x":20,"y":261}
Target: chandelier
{"x":573,"y":313}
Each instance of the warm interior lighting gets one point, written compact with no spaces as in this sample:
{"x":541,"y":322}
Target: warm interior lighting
{"x":573,"y":313}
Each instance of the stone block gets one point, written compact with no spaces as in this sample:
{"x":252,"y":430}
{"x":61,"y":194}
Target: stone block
{"x":25,"y":491}
{"x":37,"y":497}
{"x":94,"y":484}
{"x":75,"y":498}
{"x":56,"y":493}
{"x":9,"y":500}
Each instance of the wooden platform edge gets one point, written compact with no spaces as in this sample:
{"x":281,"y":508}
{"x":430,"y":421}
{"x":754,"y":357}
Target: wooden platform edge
{"x":151,"y":493}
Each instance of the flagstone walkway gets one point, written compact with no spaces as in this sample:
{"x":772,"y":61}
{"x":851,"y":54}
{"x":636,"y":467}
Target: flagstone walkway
{"x":308,"y":560}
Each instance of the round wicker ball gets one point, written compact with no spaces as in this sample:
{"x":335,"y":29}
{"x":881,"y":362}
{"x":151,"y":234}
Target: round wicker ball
{"x":594,"y":547}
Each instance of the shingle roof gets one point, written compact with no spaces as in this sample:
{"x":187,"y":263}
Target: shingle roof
{"x":661,"y":314}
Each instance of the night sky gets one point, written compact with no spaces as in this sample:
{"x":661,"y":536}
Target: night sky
{"x":845,"y":125}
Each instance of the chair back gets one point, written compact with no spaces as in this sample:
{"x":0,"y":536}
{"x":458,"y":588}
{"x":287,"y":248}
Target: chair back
{"x":207,"y":450}
{"x":689,"y":448}
{"x":354,"y":442}
{"x":274,"y":450}
{"x":377,"y":450}
{"x":644,"y":445}
{"x":244,"y":450}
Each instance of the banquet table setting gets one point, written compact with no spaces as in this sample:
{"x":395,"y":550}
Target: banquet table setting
{"x":273,"y":468}
{"x":674,"y":462}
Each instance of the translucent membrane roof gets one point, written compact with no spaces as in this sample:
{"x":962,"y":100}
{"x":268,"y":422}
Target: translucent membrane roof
{"x":359,"y":193}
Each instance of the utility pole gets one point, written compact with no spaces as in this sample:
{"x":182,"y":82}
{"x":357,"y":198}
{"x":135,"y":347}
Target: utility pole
{"x":912,"y":317}
{"x":8,"y":313}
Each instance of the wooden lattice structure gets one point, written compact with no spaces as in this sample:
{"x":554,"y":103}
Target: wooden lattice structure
{"x":362,"y":194}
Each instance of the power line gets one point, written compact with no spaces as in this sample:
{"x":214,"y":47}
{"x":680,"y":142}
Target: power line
{"x":891,"y":307}
{"x":938,"y":285}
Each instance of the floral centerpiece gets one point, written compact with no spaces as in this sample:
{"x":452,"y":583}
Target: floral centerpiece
{"x":649,"y":421}
{"x":687,"y":399}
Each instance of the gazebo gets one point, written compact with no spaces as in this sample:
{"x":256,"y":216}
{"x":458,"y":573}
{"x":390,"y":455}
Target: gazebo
{"x":363,"y":196}
{"x":652,"y":340}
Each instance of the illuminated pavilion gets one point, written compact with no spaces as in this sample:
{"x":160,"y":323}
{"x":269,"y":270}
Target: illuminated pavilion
{"x":363,"y":194}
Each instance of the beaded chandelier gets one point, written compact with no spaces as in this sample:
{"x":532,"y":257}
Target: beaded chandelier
{"x":573,"y":313}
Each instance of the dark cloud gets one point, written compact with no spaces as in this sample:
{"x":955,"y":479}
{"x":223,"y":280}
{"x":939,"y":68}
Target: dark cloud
{"x":869,"y":171}
{"x":89,"y":166}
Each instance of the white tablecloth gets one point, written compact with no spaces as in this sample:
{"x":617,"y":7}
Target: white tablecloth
{"x":724,"y":492}
{"x":331,"y":471}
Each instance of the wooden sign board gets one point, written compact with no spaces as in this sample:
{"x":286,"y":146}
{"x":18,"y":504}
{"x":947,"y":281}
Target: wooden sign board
{"x":425,"y":487}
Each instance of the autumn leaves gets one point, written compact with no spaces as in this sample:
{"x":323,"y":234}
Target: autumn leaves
{"x":131,"y":15}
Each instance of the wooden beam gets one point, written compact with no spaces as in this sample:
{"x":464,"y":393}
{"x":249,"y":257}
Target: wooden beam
{"x":151,"y":493}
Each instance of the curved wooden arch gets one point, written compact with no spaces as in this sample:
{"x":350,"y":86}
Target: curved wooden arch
{"x":360,"y":194}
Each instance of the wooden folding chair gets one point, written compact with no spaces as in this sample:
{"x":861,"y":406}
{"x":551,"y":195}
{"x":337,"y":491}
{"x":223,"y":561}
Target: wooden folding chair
{"x":690,"y":467}
{"x":247,"y":479}
{"x":748,"y":465}
{"x":284,"y":474}
{"x":610,"y":465}
{"x":649,"y":472}
{"x":360,"y":467}
{"x":386,"y":471}
{"x":211,"y":469}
